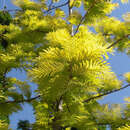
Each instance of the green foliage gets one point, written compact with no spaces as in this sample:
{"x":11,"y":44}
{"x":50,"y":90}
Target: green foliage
{"x":5,"y":18}
{"x":3,"y":125}
{"x":59,"y":52}
{"x":124,"y":128}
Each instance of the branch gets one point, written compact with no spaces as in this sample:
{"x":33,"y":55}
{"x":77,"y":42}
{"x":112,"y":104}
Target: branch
{"x":84,"y":17}
{"x":69,"y":8}
{"x":106,"y":93}
{"x":15,"y":10}
{"x":113,"y":44}
{"x":50,"y":5}
{"x":107,"y":34}
{"x":11,"y":10}
{"x":21,"y":101}
{"x":64,"y":4}
{"x":80,"y":23}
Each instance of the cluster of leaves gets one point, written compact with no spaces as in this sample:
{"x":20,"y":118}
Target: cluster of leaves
{"x":69,"y":65}
{"x":3,"y":125}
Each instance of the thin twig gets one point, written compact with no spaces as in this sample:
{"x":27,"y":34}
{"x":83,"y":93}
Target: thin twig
{"x":11,"y":10}
{"x":50,"y":5}
{"x":113,"y":44}
{"x":107,"y":34}
{"x":82,"y":19}
{"x":80,"y":23}
{"x":69,"y":8}
{"x":105,"y":94}
{"x":69,"y":14}
{"x":64,"y":4}
{"x":21,"y":101}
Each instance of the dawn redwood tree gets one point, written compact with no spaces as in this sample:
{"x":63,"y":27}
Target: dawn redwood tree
{"x":65,"y":52}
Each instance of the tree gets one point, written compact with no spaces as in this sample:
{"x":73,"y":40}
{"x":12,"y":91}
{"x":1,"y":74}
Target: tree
{"x":66,"y":54}
{"x":23,"y":125}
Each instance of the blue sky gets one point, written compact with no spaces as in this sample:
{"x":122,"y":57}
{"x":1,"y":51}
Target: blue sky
{"x":120,"y":63}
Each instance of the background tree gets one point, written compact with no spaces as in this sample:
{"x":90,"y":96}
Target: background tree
{"x":66,"y":54}
{"x":23,"y":125}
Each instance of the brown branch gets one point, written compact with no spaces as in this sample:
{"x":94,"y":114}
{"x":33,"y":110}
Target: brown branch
{"x":106,"y":93}
{"x":82,"y":19}
{"x":21,"y":101}
{"x":107,"y":34}
{"x":50,"y":5}
{"x":11,"y":10}
{"x":64,"y":4}
{"x":55,"y":7}
{"x":80,"y":23}
{"x":113,"y":44}
{"x":69,"y":8}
